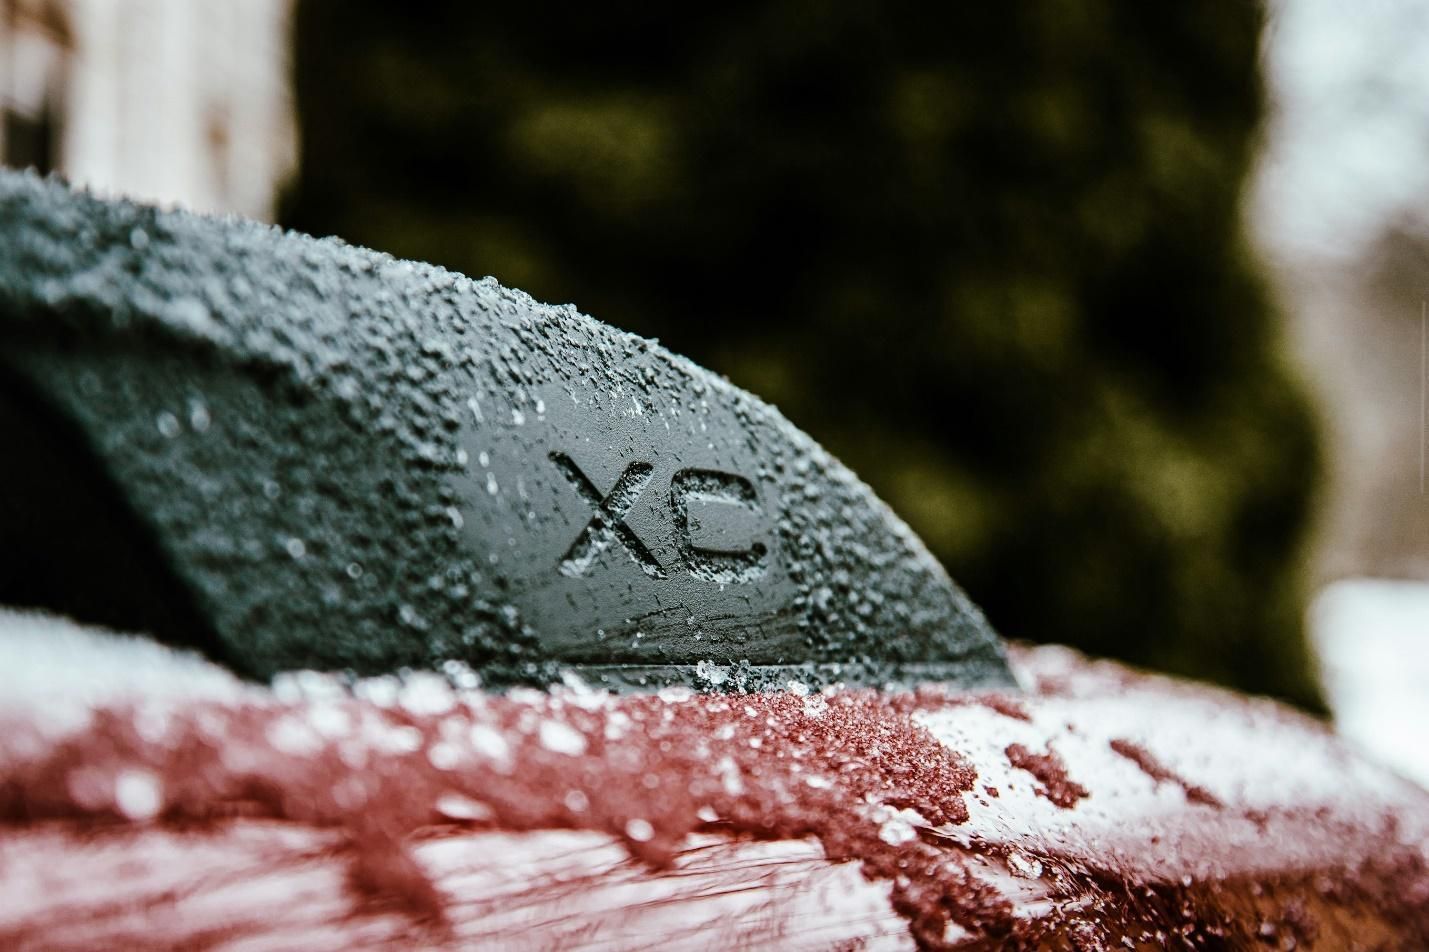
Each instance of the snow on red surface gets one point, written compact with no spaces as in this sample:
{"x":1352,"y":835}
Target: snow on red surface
{"x":148,"y":797}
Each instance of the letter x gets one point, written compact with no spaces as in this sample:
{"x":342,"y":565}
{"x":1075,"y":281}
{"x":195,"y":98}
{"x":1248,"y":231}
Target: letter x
{"x":607,"y":526}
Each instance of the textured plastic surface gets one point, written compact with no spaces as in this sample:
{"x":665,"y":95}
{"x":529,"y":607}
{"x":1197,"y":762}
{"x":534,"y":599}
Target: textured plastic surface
{"x":350,"y":461}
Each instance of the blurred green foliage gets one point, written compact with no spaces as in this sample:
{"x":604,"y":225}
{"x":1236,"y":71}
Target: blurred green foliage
{"x":989,"y":254}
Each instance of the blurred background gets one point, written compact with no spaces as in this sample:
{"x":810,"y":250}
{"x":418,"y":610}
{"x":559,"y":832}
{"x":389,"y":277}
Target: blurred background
{"x":1118,"y":306}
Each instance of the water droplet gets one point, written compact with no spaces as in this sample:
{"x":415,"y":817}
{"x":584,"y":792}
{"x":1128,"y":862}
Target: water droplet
{"x":575,"y":683}
{"x":562,"y":738}
{"x":426,"y":693}
{"x":138,"y":794}
{"x":458,"y":807}
{"x":443,"y":756}
{"x":577,"y":802}
{"x":168,"y":425}
{"x":640,"y":830}
{"x":199,"y":417}
{"x":460,"y":675}
{"x":517,"y":417}
{"x":190,"y":314}
{"x":380,"y":692}
{"x":488,"y":742}
{"x":491,"y":486}
{"x":354,"y":570}
{"x":293,"y":736}
{"x":138,"y":239}
{"x":729,"y":776}
{"x":296,"y":548}
{"x":483,"y":459}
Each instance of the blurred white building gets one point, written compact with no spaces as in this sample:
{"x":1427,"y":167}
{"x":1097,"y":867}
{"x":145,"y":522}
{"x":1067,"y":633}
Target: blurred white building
{"x":180,"y":102}
{"x":1339,"y":210}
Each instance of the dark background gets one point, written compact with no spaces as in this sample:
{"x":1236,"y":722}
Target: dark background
{"x":991,"y":256}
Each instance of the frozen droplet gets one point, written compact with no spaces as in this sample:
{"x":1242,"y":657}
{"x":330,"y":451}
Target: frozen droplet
{"x":168,"y":425}
{"x":562,"y":738}
{"x":461,"y":457}
{"x":271,"y":489}
{"x":491,"y":486}
{"x":458,"y":807}
{"x":329,"y":720}
{"x":895,"y":832}
{"x":640,"y":830}
{"x":729,"y":776}
{"x":798,"y":687}
{"x":900,"y":828}
{"x":575,"y":683}
{"x":460,"y":675}
{"x":199,"y":418}
{"x":1021,"y":864}
{"x":443,"y":756}
{"x":426,"y":693}
{"x":517,"y":417}
{"x":483,"y":458}
{"x":454,"y":514}
{"x":381,"y":692}
{"x":138,"y":239}
{"x":577,"y":802}
{"x":191,"y":314}
{"x":712,"y":674}
{"x":294,"y":737}
{"x":138,"y":794}
{"x":402,"y":739}
{"x":817,"y":782}
{"x":488,"y":742}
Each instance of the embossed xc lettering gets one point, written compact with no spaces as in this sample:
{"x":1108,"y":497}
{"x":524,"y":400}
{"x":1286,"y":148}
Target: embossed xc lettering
{"x":607,"y":525}
{"x":720,"y":554}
